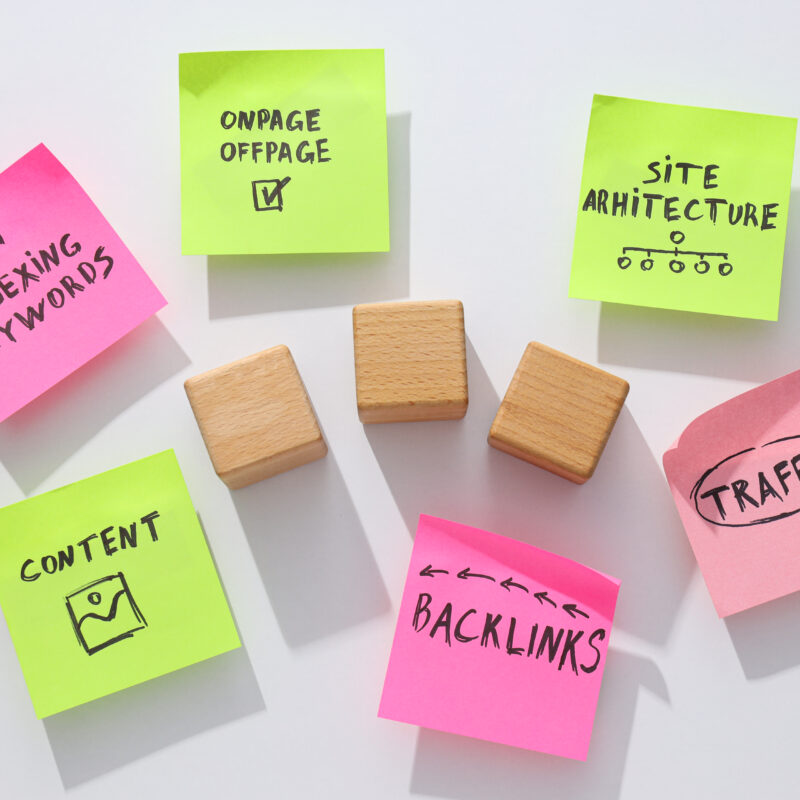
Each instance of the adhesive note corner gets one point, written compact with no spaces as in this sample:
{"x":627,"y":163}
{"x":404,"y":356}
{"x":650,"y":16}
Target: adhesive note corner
{"x":735,"y":478}
{"x":283,"y":151}
{"x":499,"y":640}
{"x":108,"y":582}
{"x":683,"y":208}
{"x":69,"y":287}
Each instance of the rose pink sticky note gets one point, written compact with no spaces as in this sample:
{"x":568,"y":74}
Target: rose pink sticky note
{"x":499,"y":640}
{"x":735,"y":477}
{"x":69,"y":287}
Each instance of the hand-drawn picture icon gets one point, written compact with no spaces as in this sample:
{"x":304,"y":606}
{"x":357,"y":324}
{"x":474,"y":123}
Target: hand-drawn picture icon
{"x":104,"y":612}
{"x":267,"y":195}
{"x":702,"y":265}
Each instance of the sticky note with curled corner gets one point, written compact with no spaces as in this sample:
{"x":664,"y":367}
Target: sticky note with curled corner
{"x":734,"y":473}
{"x":69,"y":287}
{"x":283,"y":151}
{"x":683,"y":208}
{"x":108,"y":582}
{"x":499,"y":640}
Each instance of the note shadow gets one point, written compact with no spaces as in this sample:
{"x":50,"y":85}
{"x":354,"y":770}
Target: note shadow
{"x":622,"y":521}
{"x":40,"y":437}
{"x":106,"y":734}
{"x":312,"y":552}
{"x":767,"y":638}
{"x":461,"y":768}
{"x":240,"y":285}
{"x":707,"y":344}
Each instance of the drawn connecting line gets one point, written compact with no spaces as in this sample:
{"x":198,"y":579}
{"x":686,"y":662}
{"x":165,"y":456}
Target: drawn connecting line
{"x":465,"y":574}
{"x":701,"y":266}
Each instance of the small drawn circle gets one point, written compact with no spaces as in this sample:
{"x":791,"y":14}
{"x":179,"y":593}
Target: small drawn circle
{"x":647,"y":264}
{"x":94,"y":598}
{"x":725,"y":268}
{"x":702,"y":266}
{"x":676,"y":237}
{"x":623,"y":262}
{"x":677,"y":266}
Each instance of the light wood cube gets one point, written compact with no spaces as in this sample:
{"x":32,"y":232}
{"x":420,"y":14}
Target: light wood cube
{"x":255,"y":417}
{"x":558,"y":413}
{"x":411,"y":361}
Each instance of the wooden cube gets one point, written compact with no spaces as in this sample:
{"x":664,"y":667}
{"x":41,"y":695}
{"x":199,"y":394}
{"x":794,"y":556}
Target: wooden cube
{"x":255,"y":417}
{"x":558,"y":413}
{"x":411,"y":361}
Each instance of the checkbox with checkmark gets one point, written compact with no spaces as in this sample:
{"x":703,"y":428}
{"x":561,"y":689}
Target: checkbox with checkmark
{"x":267,"y":194}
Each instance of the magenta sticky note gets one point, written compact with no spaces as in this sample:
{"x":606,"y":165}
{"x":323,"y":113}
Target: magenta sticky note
{"x":735,"y":476}
{"x":499,"y":640}
{"x":69,"y":287}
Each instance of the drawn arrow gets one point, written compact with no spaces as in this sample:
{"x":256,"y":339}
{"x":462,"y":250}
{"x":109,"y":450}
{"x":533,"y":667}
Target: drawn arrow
{"x":542,"y":597}
{"x":465,"y":573}
{"x":508,"y":583}
{"x":2,"y":240}
{"x":428,"y":572}
{"x":572,"y":609}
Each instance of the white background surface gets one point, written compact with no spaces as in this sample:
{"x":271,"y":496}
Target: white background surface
{"x":488,"y":108}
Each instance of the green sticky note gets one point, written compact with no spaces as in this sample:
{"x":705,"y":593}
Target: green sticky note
{"x":108,"y":582}
{"x":283,"y":151}
{"x":683,"y":208}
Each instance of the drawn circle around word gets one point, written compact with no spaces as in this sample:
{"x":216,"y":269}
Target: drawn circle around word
{"x":676,"y":237}
{"x":702,"y":266}
{"x":94,"y":598}
{"x":677,"y":266}
{"x":624,"y":262}
{"x":725,"y":268}
{"x":647,"y":263}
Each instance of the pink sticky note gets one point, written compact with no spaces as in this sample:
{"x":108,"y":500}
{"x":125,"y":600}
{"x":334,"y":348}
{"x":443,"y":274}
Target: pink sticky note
{"x":499,"y":640}
{"x":69,"y":287}
{"x":735,"y":477}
